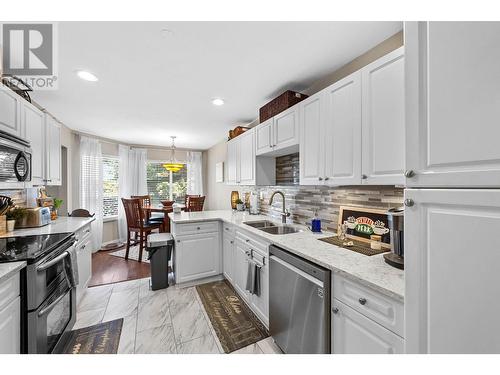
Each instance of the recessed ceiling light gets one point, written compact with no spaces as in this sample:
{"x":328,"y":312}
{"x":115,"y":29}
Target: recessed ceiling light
{"x":87,"y":76}
{"x":217,"y":101}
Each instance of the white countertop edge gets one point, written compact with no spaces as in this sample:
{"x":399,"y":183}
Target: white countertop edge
{"x":63,"y":224}
{"x":9,"y":269}
{"x":181,"y":218}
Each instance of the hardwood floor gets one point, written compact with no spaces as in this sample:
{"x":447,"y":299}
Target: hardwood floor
{"x":107,"y":269}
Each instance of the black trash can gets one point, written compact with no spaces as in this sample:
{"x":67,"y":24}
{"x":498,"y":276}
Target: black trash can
{"x":159,"y":247}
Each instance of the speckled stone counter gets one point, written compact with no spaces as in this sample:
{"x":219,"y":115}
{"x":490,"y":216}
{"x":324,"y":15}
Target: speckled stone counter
{"x":9,"y":269}
{"x":61,"y":225}
{"x":371,"y":271}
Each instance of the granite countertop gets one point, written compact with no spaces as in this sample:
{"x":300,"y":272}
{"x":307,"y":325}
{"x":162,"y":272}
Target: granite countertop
{"x":62,"y":225}
{"x":371,"y":271}
{"x":9,"y":269}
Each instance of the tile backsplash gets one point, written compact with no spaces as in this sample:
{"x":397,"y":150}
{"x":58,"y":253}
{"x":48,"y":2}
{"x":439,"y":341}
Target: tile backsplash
{"x":17,"y":195}
{"x":303,"y":201}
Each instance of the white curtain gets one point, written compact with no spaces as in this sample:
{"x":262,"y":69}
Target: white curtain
{"x":194,"y":173}
{"x":91,"y":189}
{"x":131,"y":180}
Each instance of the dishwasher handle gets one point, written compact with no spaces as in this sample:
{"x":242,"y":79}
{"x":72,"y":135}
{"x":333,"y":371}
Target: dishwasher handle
{"x":297,"y":271}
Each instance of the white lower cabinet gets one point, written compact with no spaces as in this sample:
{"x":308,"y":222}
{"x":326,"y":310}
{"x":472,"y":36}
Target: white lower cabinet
{"x":354,"y":333}
{"x":364,"y":321}
{"x":84,"y":260}
{"x":260,"y":303}
{"x":240,"y":268}
{"x":197,"y":256}
{"x":10,"y":316}
{"x":228,"y":253}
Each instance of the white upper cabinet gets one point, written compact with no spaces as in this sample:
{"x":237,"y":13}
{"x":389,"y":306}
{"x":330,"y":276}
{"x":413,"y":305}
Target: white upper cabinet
{"x":33,"y":128}
{"x":383,"y":120}
{"x":10,"y":111}
{"x":453,"y":101}
{"x":286,"y":129}
{"x":452,"y":281}
{"x":311,"y":156}
{"x":53,"y":151}
{"x":343,"y":131}
{"x":233,"y":156}
{"x":247,"y":158}
{"x":264,"y":140}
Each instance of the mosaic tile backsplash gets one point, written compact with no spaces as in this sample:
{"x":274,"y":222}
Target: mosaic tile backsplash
{"x":303,"y":201}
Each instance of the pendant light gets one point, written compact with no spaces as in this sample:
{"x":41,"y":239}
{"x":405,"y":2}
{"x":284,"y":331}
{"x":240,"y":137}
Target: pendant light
{"x":173,"y":165}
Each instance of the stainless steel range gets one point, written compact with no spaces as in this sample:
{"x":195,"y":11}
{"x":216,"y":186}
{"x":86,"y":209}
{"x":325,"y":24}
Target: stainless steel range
{"x":48,"y":301}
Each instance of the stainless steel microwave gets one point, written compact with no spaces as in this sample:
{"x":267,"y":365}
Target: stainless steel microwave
{"x":15,"y":162}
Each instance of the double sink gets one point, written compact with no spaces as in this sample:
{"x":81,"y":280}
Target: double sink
{"x":272,"y":228}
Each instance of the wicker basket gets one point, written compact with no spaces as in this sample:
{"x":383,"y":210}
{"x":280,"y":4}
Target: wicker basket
{"x":237,"y":131}
{"x":284,"y":101}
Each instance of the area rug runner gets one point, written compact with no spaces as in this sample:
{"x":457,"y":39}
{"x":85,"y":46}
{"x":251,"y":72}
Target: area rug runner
{"x":133,"y":254}
{"x":101,"y":338}
{"x":234,"y":323}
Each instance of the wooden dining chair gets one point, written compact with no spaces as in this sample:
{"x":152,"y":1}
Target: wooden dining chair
{"x":137,"y":224}
{"x":148,"y":217}
{"x":195,"y":204}
{"x":187,"y":196}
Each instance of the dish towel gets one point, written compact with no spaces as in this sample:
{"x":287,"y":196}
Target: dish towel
{"x":71,"y":267}
{"x":250,"y":277}
{"x":256,"y":281}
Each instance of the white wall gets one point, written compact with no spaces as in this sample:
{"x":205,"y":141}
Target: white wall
{"x":217,"y":193}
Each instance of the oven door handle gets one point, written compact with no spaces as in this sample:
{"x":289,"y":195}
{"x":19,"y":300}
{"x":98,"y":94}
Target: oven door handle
{"x":45,"y":310}
{"x":50,"y":263}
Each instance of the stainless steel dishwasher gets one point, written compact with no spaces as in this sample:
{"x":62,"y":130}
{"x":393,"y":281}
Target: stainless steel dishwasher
{"x":299,"y":303}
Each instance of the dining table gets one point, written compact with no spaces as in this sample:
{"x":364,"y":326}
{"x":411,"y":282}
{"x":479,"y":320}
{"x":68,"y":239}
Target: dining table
{"x":165,"y":210}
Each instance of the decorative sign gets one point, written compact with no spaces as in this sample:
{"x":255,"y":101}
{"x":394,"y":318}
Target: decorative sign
{"x":219,"y":172}
{"x":363,"y":222}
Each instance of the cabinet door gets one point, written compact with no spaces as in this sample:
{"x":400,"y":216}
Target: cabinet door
{"x":452,"y":255}
{"x":453,"y":102}
{"x":240,"y":269}
{"x":227,"y":256}
{"x":10,"y":328}
{"x":343,"y":131}
{"x":264,"y":137}
{"x":260,"y":303}
{"x":311,"y":140}
{"x":53,"y":144}
{"x":286,"y":128}
{"x":84,"y":259}
{"x":383,"y":132}
{"x":247,"y":158}
{"x":34,"y":131}
{"x":10,"y":111}
{"x":354,"y":333}
{"x":197,"y":256}
{"x":233,"y":162}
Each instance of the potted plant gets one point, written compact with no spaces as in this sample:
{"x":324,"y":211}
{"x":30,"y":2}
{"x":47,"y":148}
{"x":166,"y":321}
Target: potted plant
{"x":240,"y":206}
{"x":57,"y":204}
{"x":15,"y":214}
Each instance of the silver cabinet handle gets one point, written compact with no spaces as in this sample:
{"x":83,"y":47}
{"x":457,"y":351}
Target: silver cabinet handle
{"x":320,"y":178}
{"x":178,"y":241}
{"x":409,"y":202}
{"x":198,"y":228}
{"x":335,"y":310}
{"x":362,"y":301}
{"x":327,"y":178}
{"x":364,"y":176}
{"x":226,"y":228}
{"x":247,"y":240}
{"x":409,"y":173}
{"x":231,"y":242}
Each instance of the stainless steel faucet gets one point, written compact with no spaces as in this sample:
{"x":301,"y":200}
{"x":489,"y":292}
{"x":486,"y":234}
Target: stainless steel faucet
{"x":285,"y":212}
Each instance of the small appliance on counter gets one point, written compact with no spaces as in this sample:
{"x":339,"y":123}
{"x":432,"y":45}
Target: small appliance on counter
{"x":35,"y":217}
{"x":396,"y":217}
{"x":254,"y":203}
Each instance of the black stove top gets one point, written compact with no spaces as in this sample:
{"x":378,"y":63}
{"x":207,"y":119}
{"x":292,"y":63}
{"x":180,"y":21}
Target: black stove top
{"x":29,"y":248}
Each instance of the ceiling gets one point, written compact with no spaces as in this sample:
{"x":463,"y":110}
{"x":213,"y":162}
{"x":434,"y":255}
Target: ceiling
{"x":157,"y":79}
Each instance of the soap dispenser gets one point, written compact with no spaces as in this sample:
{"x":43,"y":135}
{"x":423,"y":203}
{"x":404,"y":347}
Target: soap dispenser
{"x":316,"y":223}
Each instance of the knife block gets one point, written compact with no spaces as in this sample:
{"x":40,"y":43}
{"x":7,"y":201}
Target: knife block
{"x":3,"y":224}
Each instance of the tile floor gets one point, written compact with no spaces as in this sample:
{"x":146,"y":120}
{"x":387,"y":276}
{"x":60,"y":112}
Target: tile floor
{"x":171,"y":320}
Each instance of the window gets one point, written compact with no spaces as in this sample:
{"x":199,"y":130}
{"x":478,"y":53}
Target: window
{"x":165,"y":185}
{"x":110,"y":168}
